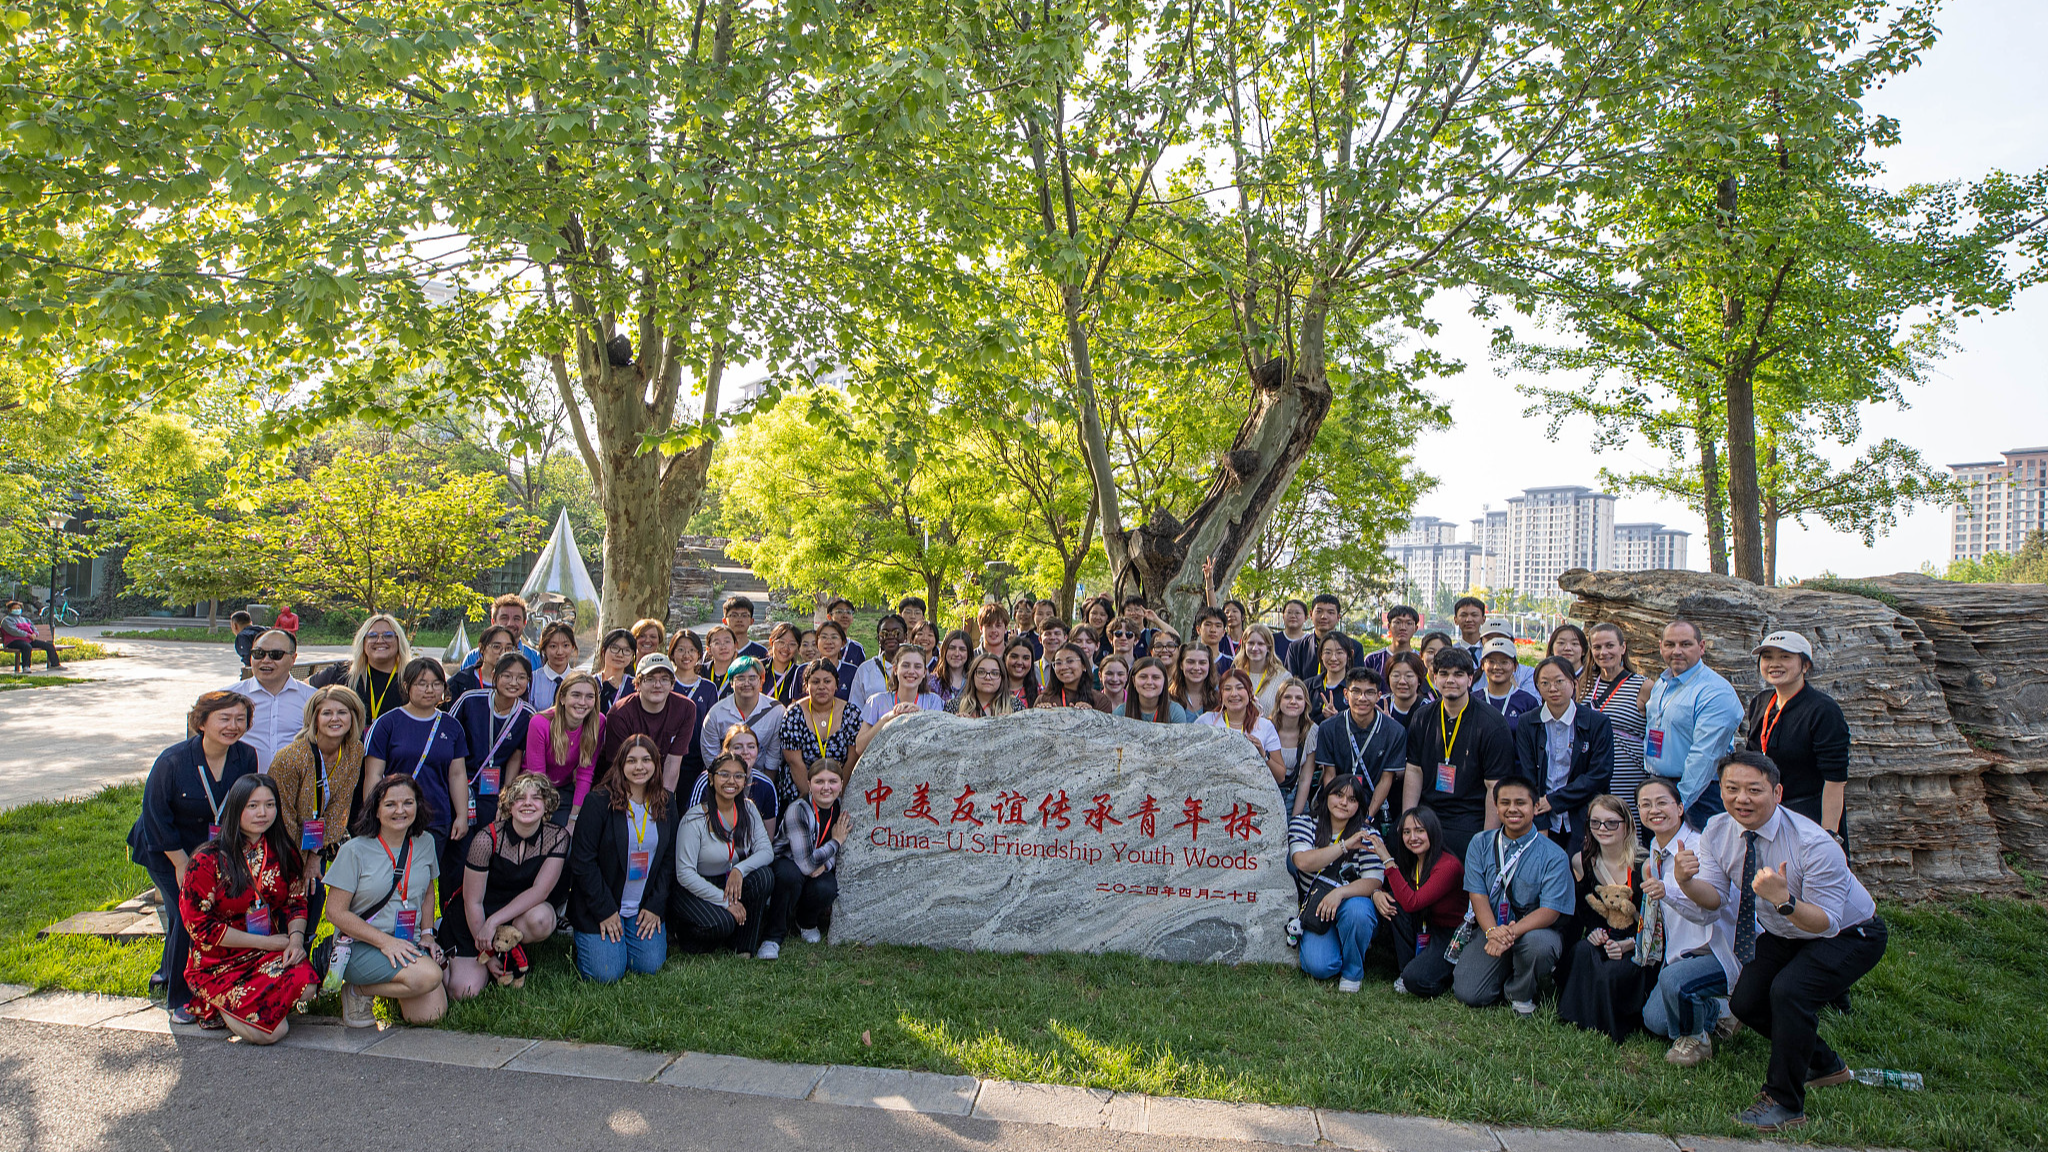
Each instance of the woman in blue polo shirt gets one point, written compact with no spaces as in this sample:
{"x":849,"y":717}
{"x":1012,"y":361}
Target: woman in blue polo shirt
{"x":427,"y":745}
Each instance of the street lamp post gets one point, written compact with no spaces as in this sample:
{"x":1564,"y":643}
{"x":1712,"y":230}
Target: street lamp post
{"x":57,"y":520}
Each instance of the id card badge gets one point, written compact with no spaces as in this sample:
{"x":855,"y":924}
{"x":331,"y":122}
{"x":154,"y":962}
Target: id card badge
{"x":1422,"y":941}
{"x":636,"y":865}
{"x":1503,"y":914}
{"x":257,"y":921}
{"x":213,"y":831}
{"x":313,"y":834}
{"x":1446,"y":777}
{"x":407,"y":924}
{"x":1654,"y":741}
{"x":487,"y":781}
{"x":472,"y":807}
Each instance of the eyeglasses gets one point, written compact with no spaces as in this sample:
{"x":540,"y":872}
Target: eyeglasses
{"x":380,"y":635}
{"x":268,"y":653}
{"x":1604,"y":825}
{"x":731,"y":777}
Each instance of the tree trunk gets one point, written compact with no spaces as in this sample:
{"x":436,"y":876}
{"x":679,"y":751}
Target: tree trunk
{"x":1710,"y":490}
{"x":1769,"y":511}
{"x":1745,"y":516}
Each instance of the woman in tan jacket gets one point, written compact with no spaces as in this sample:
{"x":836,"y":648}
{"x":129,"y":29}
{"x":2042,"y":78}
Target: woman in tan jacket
{"x":318,"y":777}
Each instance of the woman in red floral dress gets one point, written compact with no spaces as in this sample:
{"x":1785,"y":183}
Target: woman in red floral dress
{"x":244,"y":903}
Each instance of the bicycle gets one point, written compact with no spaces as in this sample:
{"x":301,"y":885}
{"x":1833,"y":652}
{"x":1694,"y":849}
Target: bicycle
{"x":62,"y":614}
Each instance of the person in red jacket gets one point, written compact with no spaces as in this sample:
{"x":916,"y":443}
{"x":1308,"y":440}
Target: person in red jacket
{"x":1424,"y":899}
{"x":288,"y":621}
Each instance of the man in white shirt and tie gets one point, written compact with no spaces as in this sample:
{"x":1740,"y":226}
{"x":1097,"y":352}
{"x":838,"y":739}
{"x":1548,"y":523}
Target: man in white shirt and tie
{"x":1805,"y":929}
{"x":277,"y":701}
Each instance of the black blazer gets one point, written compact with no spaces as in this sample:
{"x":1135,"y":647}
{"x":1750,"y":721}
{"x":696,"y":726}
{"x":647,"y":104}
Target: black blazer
{"x":597,"y":863}
{"x":1592,"y":770}
{"x":176,"y":813}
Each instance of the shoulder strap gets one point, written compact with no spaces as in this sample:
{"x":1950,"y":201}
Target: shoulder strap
{"x":397,"y":874}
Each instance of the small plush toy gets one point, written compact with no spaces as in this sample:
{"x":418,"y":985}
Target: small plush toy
{"x":507,"y":959}
{"x":1616,"y":902}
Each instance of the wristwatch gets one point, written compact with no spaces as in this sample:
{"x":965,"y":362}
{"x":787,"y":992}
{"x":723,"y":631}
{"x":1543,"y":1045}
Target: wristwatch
{"x":1786,"y":908}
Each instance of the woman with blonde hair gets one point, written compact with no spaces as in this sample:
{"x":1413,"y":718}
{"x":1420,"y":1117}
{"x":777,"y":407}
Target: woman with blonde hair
{"x":563,"y":742}
{"x":648,"y":636}
{"x":376,"y":655}
{"x":509,"y":875}
{"x":1600,"y":985}
{"x":318,"y":779}
{"x":1264,"y":666}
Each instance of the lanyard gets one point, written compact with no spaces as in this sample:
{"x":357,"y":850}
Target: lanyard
{"x":824,"y":825}
{"x":780,"y":689}
{"x":1357,"y":753}
{"x":428,"y":747}
{"x":732,"y":848}
{"x":1772,"y":714}
{"x":500,"y":735}
{"x":376,"y":694}
{"x":1263,"y":677}
{"x":824,"y":735}
{"x":1507,"y":864}
{"x":1600,"y":705}
{"x":639,"y":812}
{"x":1450,"y":734}
{"x":401,"y":881}
{"x":323,"y":797}
{"x":206,"y":782}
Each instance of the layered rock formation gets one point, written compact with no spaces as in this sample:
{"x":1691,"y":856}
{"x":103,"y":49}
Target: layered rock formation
{"x":1065,"y":830}
{"x":1919,"y":801}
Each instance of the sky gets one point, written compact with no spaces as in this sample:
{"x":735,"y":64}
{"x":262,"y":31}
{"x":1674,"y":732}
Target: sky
{"x":1977,"y":102}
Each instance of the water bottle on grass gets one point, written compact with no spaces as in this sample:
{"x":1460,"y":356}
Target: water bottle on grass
{"x":1888,"y":1078}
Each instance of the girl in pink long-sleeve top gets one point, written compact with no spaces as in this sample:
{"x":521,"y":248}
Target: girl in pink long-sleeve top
{"x":562,"y":743}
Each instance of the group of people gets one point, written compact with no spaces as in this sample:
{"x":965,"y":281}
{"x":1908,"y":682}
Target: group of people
{"x":1588,"y":828}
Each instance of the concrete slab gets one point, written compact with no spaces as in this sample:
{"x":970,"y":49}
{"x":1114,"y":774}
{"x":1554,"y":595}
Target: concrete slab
{"x":80,"y":1009}
{"x":1221,"y":1120}
{"x":155,"y":1019}
{"x":1374,"y":1132}
{"x":143,"y":926}
{"x":13,"y":992}
{"x":897,"y":1090}
{"x":1061,"y":1104}
{"x":1565,"y":1140}
{"x":330,"y":1037}
{"x":591,"y":1061}
{"x":738,"y":1074}
{"x":96,"y":924}
{"x":437,"y":1047}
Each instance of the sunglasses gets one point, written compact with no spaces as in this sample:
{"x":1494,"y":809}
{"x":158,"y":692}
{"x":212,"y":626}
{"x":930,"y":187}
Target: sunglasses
{"x":268,"y":653}
{"x":380,"y":635}
{"x":1604,"y":825}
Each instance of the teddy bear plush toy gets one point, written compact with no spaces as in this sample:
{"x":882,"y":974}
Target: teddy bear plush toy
{"x":1617,"y":903}
{"x":507,"y":960}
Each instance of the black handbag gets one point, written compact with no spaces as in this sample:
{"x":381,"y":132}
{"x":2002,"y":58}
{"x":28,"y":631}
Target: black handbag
{"x":1310,"y":921}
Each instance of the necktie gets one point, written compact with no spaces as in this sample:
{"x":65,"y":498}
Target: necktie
{"x":1745,"y":912}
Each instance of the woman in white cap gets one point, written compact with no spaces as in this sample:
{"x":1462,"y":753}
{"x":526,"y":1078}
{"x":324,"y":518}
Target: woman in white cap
{"x":1801,"y":729}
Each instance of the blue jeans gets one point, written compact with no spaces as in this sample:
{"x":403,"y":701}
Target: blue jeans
{"x":606,"y":962}
{"x":177,"y":945}
{"x":1686,"y":1001}
{"x":1341,"y":950}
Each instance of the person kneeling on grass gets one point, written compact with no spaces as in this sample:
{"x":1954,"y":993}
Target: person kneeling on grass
{"x":378,"y":899}
{"x":621,"y":866}
{"x":1520,"y":885}
{"x":807,"y":861}
{"x":244,"y":902}
{"x":1692,"y":950}
{"x":1337,"y":872}
{"x":723,"y":857}
{"x":1424,"y":899}
{"x":512,"y":869}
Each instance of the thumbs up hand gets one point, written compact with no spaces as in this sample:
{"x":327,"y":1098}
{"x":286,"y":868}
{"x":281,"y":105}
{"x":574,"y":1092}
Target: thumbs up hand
{"x":1771,"y":883}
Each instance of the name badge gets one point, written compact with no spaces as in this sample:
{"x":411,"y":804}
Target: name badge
{"x":487,"y":781}
{"x":1422,"y":941}
{"x":407,"y":924}
{"x":257,"y":921}
{"x":1502,"y":913}
{"x":636,"y":865}
{"x":1654,"y":741}
{"x":313,"y":834}
{"x":213,"y":831}
{"x":1446,"y":777}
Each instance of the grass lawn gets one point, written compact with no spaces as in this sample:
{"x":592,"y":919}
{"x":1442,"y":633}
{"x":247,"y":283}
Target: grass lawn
{"x":9,"y":681}
{"x":1951,"y":1000}
{"x":424,"y":641}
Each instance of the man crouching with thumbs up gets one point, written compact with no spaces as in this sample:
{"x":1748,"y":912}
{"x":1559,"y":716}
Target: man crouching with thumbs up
{"x":1805,"y":929}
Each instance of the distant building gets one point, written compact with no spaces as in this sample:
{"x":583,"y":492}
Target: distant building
{"x":2008,"y":499}
{"x":1490,"y":561}
{"x":1432,"y":557}
{"x":1551,"y":530}
{"x":1640,"y":547}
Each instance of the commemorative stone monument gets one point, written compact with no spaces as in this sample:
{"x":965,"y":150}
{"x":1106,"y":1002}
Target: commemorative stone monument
{"x":1062,"y":830}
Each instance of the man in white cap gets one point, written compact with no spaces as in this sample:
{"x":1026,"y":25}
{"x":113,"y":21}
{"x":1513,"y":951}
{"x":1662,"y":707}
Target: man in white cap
{"x":1499,"y":690}
{"x":1801,"y":729}
{"x":1501,"y":628}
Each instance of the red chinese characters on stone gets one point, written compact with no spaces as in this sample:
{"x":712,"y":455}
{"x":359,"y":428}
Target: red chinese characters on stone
{"x":1008,"y":807}
{"x":920,"y":804}
{"x":1099,"y":813}
{"x":963,"y":807}
{"x":1050,"y":810}
{"x":1192,"y":818}
{"x":1147,"y":816}
{"x":877,"y":794}
{"x":1239,"y":822}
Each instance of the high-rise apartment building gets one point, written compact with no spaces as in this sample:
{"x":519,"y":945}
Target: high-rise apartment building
{"x":1551,"y":530}
{"x":1489,"y":568}
{"x":1641,"y":547}
{"x":2008,"y":499}
{"x":1429,"y":552}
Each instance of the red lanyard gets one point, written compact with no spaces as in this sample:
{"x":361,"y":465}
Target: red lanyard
{"x":1772,"y":714}
{"x":404,"y":878}
{"x":1600,"y":705}
{"x":732,"y":848}
{"x":824,"y":825}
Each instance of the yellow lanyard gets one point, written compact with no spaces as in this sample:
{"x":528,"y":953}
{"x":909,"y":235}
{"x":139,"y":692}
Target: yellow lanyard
{"x":826,"y":734}
{"x":639,"y":822}
{"x":1450,"y":734}
{"x":1263,"y":677}
{"x":377,"y":698}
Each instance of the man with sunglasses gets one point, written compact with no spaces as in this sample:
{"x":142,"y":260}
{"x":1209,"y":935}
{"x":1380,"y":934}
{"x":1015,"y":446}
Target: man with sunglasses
{"x":277,"y":701}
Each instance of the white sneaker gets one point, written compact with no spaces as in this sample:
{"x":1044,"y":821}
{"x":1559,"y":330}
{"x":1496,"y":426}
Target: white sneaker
{"x":1400,"y":986}
{"x":1524,"y":1008}
{"x":357,"y":1010}
{"x":1348,"y":985}
{"x":811,"y":935}
{"x":768,"y":950}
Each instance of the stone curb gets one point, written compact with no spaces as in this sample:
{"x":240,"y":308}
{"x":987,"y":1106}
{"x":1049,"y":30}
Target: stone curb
{"x":893,"y":1089}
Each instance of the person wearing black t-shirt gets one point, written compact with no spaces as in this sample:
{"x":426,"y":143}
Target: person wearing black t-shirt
{"x":1802,"y":730}
{"x":1362,"y":741}
{"x":1455,"y":753}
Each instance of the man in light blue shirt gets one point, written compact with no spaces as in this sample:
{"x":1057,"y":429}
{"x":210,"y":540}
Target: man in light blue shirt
{"x":1514,"y":943}
{"x":1693,"y":717}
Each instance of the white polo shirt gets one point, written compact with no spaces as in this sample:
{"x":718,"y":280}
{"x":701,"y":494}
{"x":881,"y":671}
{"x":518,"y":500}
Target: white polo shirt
{"x":276,"y":717}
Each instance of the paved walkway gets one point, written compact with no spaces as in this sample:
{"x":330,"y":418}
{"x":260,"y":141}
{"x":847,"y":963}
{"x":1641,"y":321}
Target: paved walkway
{"x":78,"y":738}
{"x":109,"y":1072}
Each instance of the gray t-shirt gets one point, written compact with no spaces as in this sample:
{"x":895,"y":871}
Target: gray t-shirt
{"x":362,"y":868}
